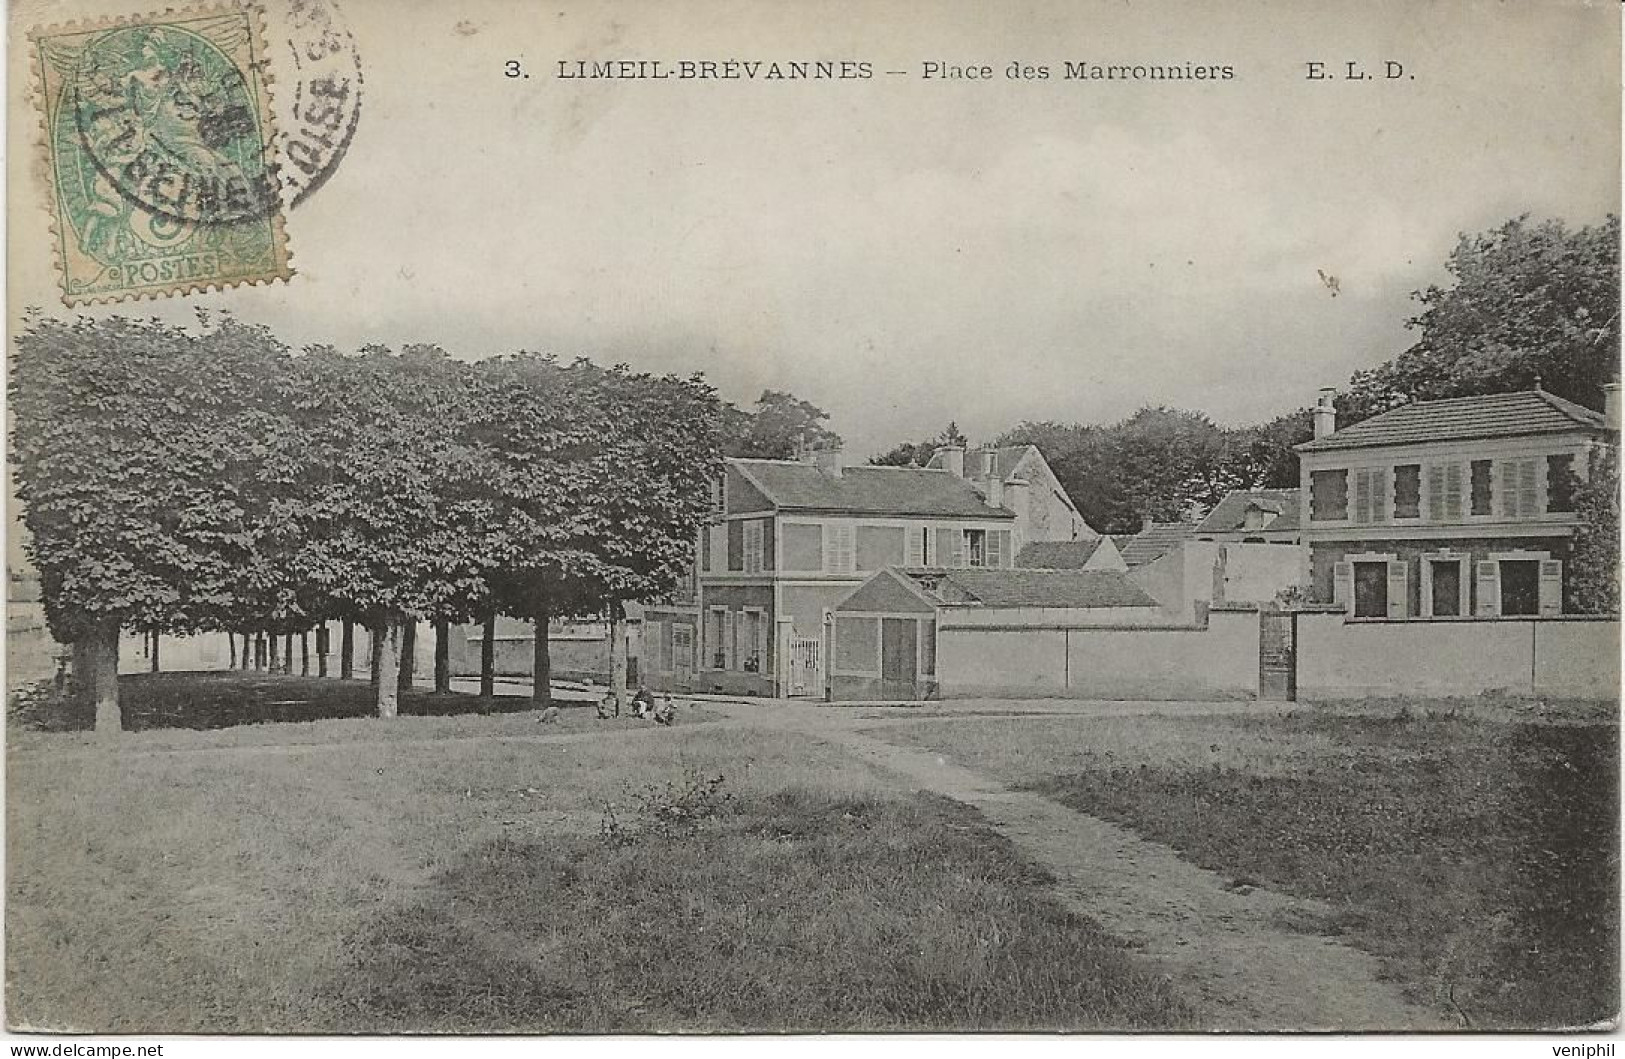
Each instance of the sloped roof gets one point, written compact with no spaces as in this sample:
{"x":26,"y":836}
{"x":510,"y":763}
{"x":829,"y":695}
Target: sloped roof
{"x":1074,"y":589}
{"x":1155,"y":541}
{"x":1230,"y":513}
{"x":1492,"y":415}
{"x":1057,"y":555}
{"x":867,"y":490}
{"x":1005,"y":459}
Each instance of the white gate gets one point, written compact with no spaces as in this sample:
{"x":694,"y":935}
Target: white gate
{"x":806,"y":667}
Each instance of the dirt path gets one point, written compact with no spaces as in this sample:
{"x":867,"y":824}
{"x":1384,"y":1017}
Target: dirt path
{"x":1248,"y":972}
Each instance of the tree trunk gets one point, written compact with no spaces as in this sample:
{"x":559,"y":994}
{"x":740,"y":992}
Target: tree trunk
{"x":231,"y":643}
{"x":259,"y":652}
{"x":324,"y":647}
{"x":83,"y":686}
{"x":154,"y":635}
{"x":387,"y":639}
{"x":287,"y":654}
{"x":409,"y":655}
{"x":274,"y":658}
{"x":442,"y":656}
{"x":304,"y":653}
{"x":247,"y":660}
{"x":347,"y":651}
{"x":541,"y":666}
{"x":488,"y":656}
{"x":104,"y":652}
{"x":617,"y":653}
{"x":375,"y":644}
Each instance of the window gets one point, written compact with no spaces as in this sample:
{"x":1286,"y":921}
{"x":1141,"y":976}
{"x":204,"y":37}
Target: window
{"x":1481,"y":487}
{"x":1520,"y":586}
{"x":1518,"y":488}
{"x":1328,"y":496}
{"x":1371,"y":590}
{"x":1408,"y":490}
{"x":753,"y":546}
{"x":880,"y":546}
{"x":803,"y":547}
{"x":1444,"y":492}
{"x":752,"y":642}
{"x":705,"y":548}
{"x":736,"y":546}
{"x":713,"y":639}
{"x":1444,"y":591}
{"x":949,"y":549}
{"x":1560,"y":483}
{"x":976,"y":547}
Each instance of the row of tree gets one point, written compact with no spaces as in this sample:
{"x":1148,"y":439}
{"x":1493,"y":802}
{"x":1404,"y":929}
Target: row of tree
{"x":209,"y":479}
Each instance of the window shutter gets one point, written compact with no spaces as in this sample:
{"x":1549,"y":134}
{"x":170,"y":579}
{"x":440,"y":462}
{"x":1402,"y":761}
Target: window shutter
{"x":1362,"y":497}
{"x":705,"y":548}
{"x":841,"y":557}
{"x":1436,"y":492}
{"x":1489,"y":590}
{"x":1527,"y":490}
{"x":944,"y":548}
{"x":1505,"y":477}
{"x":761,"y":641}
{"x":753,"y":546}
{"x":1398,"y":588}
{"x":727,"y":639}
{"x":1343,"y":584}
{"x":914,"y":554}
{"x":1382,"y":497}
{"x":1551,"y":587}
{"x":998,"y":546}
{"x":1452,"y":492}
{"x":959,"y":559}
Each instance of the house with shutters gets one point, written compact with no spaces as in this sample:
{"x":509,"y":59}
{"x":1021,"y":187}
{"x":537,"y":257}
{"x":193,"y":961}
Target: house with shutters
{"x":1453,"y":508}
{"x":789,"y":539}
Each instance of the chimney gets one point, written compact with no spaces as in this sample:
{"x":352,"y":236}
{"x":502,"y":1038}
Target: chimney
{"x":829,"y":461}
{"x":1016,"y":492}
{"x":1610,"y":404}
{"x":986,"y":458}
{"x":1325,"y":412}
{"x":953,"y":459}
{"x":994,"y":491}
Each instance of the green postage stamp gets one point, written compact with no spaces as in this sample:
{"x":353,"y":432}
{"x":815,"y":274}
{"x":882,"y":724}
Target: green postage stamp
{"x":158,"y":141}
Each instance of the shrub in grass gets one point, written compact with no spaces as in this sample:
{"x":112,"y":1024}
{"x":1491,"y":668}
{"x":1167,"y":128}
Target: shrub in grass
{"x":43,"y":707}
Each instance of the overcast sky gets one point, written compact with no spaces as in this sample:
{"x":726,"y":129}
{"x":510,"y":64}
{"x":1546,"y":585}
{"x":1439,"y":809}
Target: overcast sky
{"x":905,"y":252}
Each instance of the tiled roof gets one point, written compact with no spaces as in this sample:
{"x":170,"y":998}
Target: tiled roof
{"x":1230,"y":514}
{"x":868,"y":490}
{"x":1032,"y":588}
{"x":1155,"y":541}
{"x":1005,"y":459}
{"x":1492,"y":415}
{"x":1058,"y":555}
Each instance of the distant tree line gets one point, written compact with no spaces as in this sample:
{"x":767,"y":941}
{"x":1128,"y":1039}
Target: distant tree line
{"x":188,"y":480}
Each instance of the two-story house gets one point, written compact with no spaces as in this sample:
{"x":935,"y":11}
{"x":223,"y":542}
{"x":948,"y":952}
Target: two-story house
{"x":789,"y":540}
{"x":1451,"y":508}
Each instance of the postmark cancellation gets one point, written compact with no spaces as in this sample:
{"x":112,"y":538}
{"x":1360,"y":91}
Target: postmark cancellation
{"x":158,"y":142}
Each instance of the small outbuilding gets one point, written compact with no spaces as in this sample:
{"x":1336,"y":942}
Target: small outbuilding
{"x":886,"y":636}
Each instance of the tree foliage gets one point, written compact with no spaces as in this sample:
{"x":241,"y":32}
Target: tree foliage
{"x":1529,"y":301}
{"x":1592,"y":579}
{"x":919,"y":453}
{"x":780,"y":427}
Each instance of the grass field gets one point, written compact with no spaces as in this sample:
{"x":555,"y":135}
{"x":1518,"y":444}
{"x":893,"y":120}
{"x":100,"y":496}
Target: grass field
{"x":444,"y":873}
{"x":1479,"y":860}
